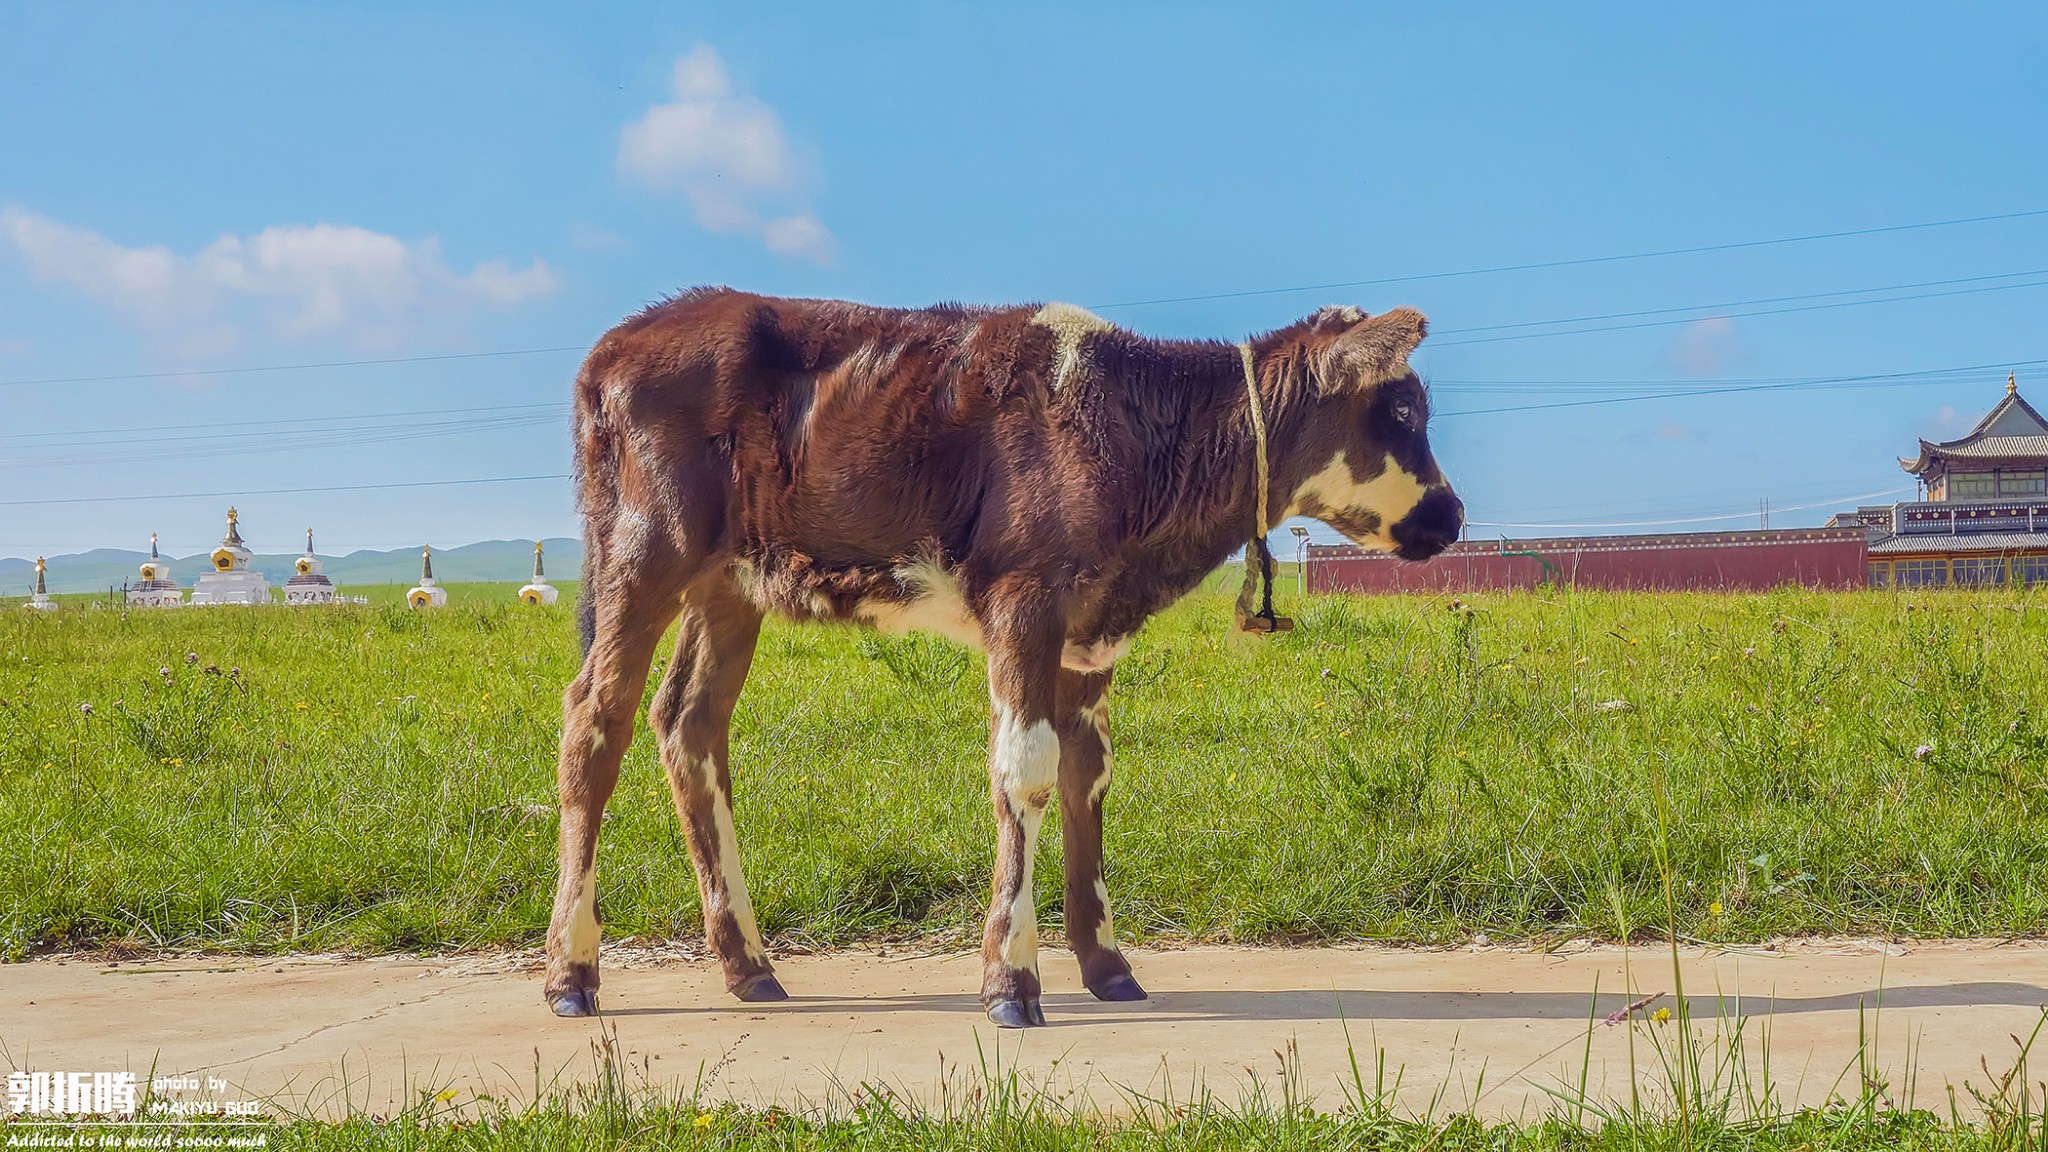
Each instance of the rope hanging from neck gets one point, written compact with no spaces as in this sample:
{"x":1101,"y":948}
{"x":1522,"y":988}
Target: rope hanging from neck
{"x":1255,"y":549}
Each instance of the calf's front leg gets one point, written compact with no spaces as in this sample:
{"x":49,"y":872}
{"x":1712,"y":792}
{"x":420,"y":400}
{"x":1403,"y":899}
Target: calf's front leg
{"x":1024,"y":765}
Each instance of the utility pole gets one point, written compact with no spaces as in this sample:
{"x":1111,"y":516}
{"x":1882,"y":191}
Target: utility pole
{"x":1300,"y":559}
{"x":1763,"y":513}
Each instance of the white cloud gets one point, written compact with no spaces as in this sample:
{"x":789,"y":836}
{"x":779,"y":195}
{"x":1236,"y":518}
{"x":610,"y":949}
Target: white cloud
{"x":591,"y":238}
{"x":294,"y":279}
{"x":727,"y":155}
{"x":1707,"y":347}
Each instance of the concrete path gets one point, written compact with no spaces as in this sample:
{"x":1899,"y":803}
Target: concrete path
{"x":1481,"y":1029}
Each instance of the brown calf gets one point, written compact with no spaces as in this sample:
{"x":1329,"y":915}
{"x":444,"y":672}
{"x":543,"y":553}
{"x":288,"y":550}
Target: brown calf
{"x":1033,"y":481}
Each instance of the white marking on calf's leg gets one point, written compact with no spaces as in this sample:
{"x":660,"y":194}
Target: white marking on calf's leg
{"x":1027,"y":768}
{"x":583,"y":927}
{"x":732,"y":881}
{"x":1105,"y":932}
{"x":1020,"y":943}
{"x":1097,"y":716}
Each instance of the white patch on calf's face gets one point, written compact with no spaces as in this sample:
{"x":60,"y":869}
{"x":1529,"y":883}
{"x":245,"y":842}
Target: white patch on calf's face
{"x":583,"y":929}
{"x":1069,"y":325}
{"x":1388,"y":496}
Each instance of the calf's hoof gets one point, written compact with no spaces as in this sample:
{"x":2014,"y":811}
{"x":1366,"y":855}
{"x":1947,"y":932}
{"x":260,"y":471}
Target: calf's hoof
{"x":580,"y":1002}
{"x":761,"y":989}
{"x":1120,"y":987}
{"x":1016,"y":1014}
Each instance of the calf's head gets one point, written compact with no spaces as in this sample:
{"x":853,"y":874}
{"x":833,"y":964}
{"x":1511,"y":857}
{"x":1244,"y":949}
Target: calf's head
{"x":1364,"y":454}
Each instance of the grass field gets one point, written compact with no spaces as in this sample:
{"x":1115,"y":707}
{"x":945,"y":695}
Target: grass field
{"x":1398,"y":768}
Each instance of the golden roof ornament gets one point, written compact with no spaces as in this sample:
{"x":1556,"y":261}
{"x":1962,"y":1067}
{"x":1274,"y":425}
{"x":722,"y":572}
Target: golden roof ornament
{"x":2012,"y":382}
{"x":427,"y":594}
{"x":539,"y":592}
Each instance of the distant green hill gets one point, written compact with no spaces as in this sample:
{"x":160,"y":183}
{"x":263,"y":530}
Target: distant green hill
{"x":504,"y":561}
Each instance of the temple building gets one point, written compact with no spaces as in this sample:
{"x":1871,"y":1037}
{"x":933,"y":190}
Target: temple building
{"x":1982,"y":518}
{"x":40,"y":601}
{"x":427,"y":594}
{"x":539,"y":592}
{"x":1980,"y":521}
{"x":156,"y":589}
{"x":307,"y":585}
{"x":232,"y":581}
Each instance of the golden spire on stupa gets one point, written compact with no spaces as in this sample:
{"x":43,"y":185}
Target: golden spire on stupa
{"x":40,"y":602}
{"x":426,"y":594}
{"x":538,"y":592}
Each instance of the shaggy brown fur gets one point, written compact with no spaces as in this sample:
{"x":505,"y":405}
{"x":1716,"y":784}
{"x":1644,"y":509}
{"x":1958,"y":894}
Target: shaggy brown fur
{"x":1031,"y":480}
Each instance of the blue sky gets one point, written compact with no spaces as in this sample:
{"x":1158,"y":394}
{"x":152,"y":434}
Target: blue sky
{"x":247,"y":186}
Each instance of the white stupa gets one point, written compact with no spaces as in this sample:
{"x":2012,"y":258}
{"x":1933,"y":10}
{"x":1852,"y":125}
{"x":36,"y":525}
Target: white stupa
{"x":307,"y":585}
{"x":540,"y":592}
{"x":156,"y":589}
{"x":232,"y":581}
{"x":428,"y":594}
{"x":40,"y":602}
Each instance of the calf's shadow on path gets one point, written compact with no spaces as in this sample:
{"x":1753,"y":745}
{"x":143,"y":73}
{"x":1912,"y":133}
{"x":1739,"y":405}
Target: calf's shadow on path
{"x":1361,"y":1004}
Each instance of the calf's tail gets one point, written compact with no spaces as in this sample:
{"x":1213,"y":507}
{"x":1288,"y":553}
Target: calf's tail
{"x":597,"y":473}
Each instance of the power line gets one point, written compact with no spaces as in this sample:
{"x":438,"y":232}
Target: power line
{"x":1744,"y":514}
{"x":291,"y":367}
{"x":155,"y":428}
{"x":1741,"y":315}
{"x":257,"y":443}
{"x":237,"y":494}
{"x":1817,"y":383}
{"x":1750,"y":303}
{"x":1584,"y":260}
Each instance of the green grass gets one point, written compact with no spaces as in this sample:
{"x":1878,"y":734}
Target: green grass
{"x":1395,"y":769}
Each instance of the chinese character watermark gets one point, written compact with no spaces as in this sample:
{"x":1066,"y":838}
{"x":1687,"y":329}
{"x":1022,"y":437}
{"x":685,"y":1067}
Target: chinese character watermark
{"x":75,"y":1094}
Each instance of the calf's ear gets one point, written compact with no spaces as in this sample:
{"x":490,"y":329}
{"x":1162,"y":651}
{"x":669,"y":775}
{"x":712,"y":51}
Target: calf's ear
{"x":1373,"y":350}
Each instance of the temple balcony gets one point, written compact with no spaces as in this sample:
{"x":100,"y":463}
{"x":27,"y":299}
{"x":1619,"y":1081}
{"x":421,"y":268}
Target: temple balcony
{"x":1968,"y":517}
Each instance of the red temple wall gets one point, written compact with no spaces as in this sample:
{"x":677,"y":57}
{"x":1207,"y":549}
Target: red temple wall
{"x":1714,"y":561}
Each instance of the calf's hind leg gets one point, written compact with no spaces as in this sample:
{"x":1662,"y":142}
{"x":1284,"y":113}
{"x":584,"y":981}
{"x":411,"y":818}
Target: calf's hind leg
{"x":692,"y":716}
{"x":597,"y":726}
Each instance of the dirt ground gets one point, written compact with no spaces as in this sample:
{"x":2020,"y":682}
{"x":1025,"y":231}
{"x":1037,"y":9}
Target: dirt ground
{"x":1481,"y":1029}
